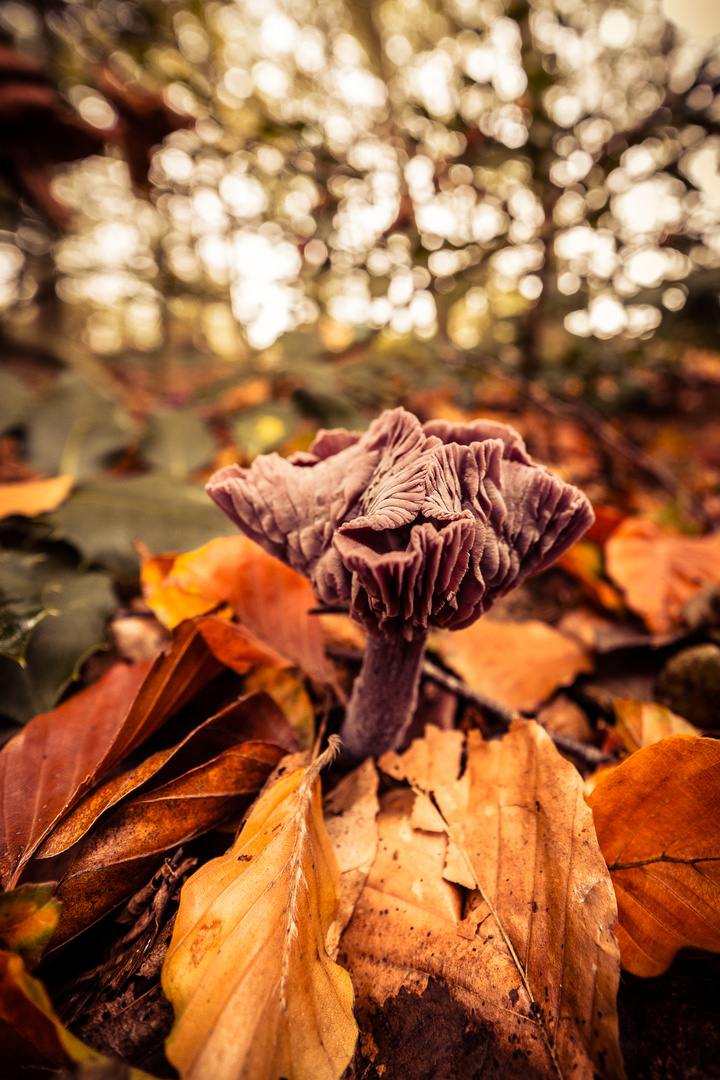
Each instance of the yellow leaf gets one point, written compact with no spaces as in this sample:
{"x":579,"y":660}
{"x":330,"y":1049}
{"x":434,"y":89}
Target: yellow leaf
{"x":657,"y":817}
{"x":31,"y":497}
{"x":255,"y":994}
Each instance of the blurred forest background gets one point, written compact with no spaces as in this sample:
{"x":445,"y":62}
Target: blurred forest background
{"x":225,"y":224}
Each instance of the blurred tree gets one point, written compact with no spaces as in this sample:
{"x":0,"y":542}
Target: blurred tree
{"x":532,"y":180}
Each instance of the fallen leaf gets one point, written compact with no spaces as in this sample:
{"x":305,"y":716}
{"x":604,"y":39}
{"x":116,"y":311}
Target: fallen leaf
{"x":48,"y":765}
{"x":351,"y":810}
{"x":118,"y":856}
{"x":255,"y":993}
{"x":52,"y":617}
{"x":534,"y":956}
{"x":657,"y":817}
{"x":32,"y":497}
{"x":235,"y":647}
{"x":253,"y":717}
{"x":270,"y":600}
{"x":659,"y":570}
{"x":584,"y":561}
{"x":28,"y":917}
{"x":32,"y":1036}
{"x":641,"y":723}
{"x":518,"y":665}
{"x":289,"y":694}
{"x":60,"y":755}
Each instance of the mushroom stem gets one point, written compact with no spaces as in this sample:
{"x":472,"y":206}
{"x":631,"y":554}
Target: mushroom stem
{"x":384,"y":695}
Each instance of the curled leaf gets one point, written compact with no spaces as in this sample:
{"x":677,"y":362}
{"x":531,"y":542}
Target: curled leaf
{"x":59,"y":756}
{"x":657,"y":817}
{"x":123,"y":851}
{"x":254,"y":991}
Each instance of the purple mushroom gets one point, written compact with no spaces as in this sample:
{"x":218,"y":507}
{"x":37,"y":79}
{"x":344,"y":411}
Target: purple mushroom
{"x":411,"y":526}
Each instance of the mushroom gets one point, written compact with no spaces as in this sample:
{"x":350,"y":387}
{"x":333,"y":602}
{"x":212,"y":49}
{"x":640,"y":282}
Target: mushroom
{"x":411,"y":526}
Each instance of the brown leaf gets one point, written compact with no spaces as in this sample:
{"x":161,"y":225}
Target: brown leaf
{"x":519,"y":665}
{"x":255,"y":993}
{"x":32,"y":497}
{"x":121,"y":854}
{"x":59,"y":756}
{"x":49,"y":765}
{"x":659,"y":571}
{"x":253,"y":717}
{"x":270,"y":600}
{"x":534,"y":956}
{"x":657,"y":817}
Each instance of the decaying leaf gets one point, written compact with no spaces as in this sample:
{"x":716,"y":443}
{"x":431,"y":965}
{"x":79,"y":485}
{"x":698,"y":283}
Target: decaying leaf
{"x":532,"y":957}
{"x":658,"y":570}
{"x":254,"y":991}
{"x":657,"y":817}
{"x":32,"y":1036}
{"x":28,"y":917}
{"x":518,"y":665}
{"x":251,"y":718}
{"x":125,"y":849}
{"x":32,"y":497}
{"x":270,"y":600}
{"x":58,"y":757}
{"x":351,"y":810}
{"x":641,"y":723}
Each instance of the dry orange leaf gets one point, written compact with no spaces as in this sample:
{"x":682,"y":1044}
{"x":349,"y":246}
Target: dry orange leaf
{"x":659,"y":570}
{"x":255,"y":994}
{"x":270,"y":600}
{"x":534,"y":955}
{"x":58,"y":757}
{"x":32,"y":497}
{"x":519,"y":665}
{"x":657,"y":817}
{"x":121,"y":854}
{"x":641,"y":723}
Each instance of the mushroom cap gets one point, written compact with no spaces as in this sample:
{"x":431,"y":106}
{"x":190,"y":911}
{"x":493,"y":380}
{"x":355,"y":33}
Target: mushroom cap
{"x":410,"y":525}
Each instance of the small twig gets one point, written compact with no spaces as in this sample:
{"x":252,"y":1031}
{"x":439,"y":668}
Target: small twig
{"x":590,"y":755}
